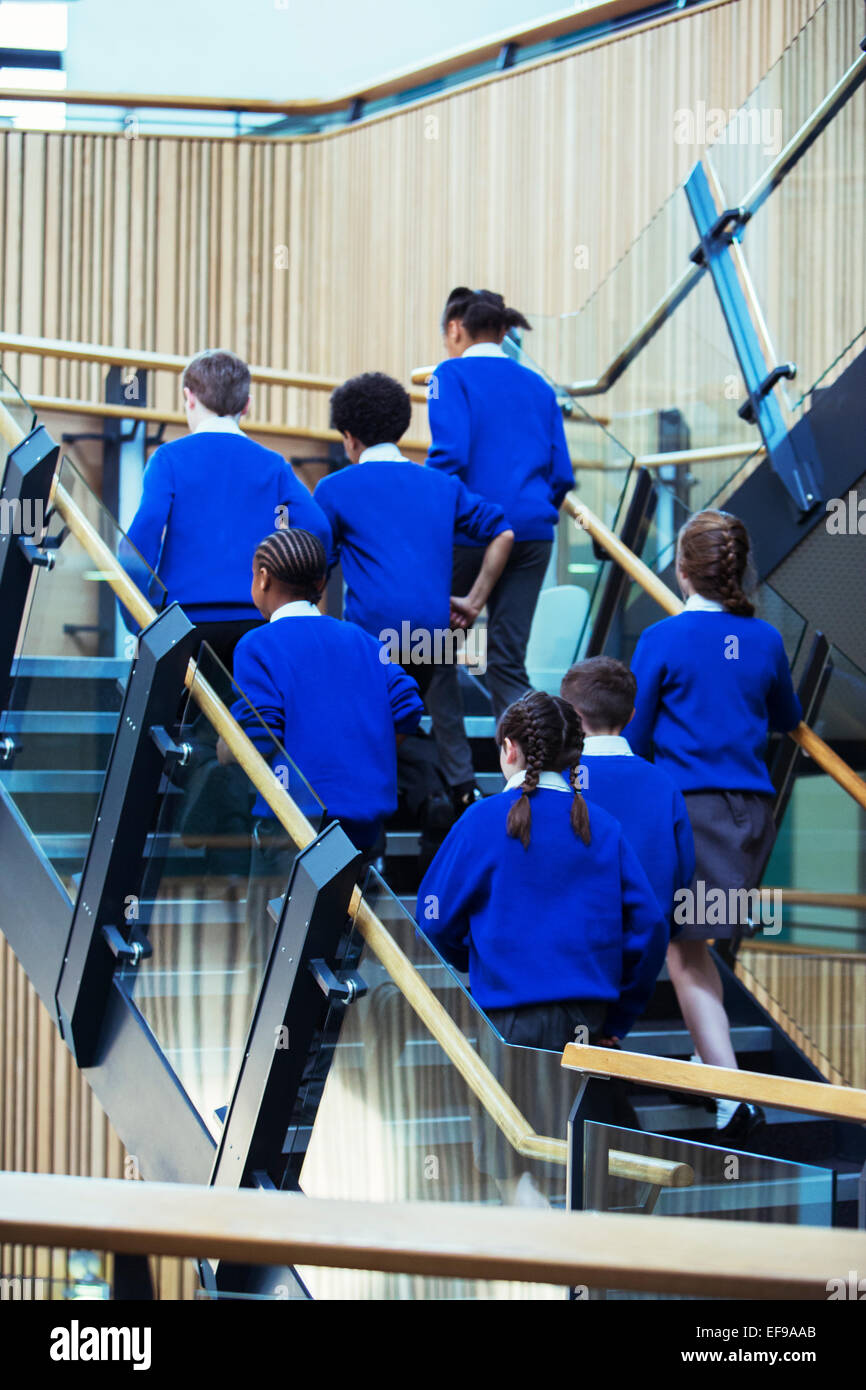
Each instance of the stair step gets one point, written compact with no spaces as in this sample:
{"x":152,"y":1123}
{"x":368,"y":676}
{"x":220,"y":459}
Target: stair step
{"x":77,"y":722}
{"x":476,"y":725}
{"x":672,"y":1040}
{"x":107,"y":668}
{"x":673,"y":1117}
{"x":52,"y":782}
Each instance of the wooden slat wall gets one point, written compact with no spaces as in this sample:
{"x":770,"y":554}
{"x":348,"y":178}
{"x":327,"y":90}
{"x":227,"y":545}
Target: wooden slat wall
{"x":50,"y":1122}
{"x":333,"y":253}
{"x":819,"y":998}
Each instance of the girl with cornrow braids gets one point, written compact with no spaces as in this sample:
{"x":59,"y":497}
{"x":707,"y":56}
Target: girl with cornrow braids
{"x":544,"y":904}
{"x":323,"y":691}
{"x":712,"y":683}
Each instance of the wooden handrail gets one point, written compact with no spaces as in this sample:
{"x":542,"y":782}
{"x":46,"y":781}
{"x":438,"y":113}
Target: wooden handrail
{"x":788,"y":1093}
{"x":68,"y":350}
{"x":110,"y":411}
{"x":808,"y":740}
{"x":728,"y":1259}
{"x":801,"y":897}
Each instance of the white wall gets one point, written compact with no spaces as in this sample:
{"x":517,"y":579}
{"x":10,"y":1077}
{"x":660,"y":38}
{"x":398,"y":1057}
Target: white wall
{"x":272,"y":48}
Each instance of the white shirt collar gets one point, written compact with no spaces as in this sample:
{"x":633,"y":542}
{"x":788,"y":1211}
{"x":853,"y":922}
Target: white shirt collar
{"x":696,"y":603}
{"x":382,"y":451}
{"x":218,"y":424}
{"x":606,"y":745}
{"x":485,"y":350}
{"x":298,"y":608}
{"x":552,"y":780}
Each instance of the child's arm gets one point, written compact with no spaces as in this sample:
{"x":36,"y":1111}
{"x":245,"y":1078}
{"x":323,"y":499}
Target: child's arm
{"x":647,"y":671}
{"x":784,"y":710}
{"x":645,"y":940}
{"x":446,"y":894}
{"x":157,"y":495}
{"x":450,"y":425}
{"x":323,"y":498}
{"x":465,"y":608}
{"x":266,"y":700}
{"x":407,"y":706}
{"x":561,"y":467}
{"x":304,"y":511}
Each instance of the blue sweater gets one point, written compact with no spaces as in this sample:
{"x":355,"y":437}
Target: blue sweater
{"x":394,"y":525}
{"x":207,"y":501}
{"x":561,"y":920}
{"x":653,"y":817}
{"x":710,"y":686}
{"x":325,"y":695}
{"x":497,"y":425}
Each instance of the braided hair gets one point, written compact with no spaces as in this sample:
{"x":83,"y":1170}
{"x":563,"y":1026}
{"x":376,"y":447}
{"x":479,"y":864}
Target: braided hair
{"x":481,"y":311}
{"x":295,"y":559}
{"x":713,"y":551}
{"x":549,"y":734}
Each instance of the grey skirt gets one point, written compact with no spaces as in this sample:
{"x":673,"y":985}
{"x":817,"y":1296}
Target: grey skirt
{"x":734,"y":834}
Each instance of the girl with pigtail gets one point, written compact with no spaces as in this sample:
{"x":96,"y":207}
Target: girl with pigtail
{"x":544,"y":903}
{"x":711,"y":684}
{"x":497,"y":426}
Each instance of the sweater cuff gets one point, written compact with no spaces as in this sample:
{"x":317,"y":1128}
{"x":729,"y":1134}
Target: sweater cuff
{"x":619,"y":1022}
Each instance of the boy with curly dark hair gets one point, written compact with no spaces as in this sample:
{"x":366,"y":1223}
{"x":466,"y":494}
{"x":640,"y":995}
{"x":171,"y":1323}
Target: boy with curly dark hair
{"x":394,"y":525}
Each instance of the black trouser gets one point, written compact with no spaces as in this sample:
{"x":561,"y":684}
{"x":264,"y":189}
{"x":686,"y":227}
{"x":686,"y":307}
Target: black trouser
{"x":223,"y":637}
{"x":510,"y":609}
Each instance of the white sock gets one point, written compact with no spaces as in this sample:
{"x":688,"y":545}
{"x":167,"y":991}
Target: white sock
{"x":724,"y":1111}
{"x":695,"y":1057}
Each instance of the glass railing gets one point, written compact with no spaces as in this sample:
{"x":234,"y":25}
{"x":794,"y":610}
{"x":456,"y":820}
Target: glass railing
{"x":808,"y":967}
{"x":71,"y":666}
{"x":681,"y":388}
{"x":215,"y":867}
{"x":396,"y":1120}
{"x":815,"y":219}
{"x":713,"y":1182}
{"x":18,"y":408}
{"x":818,"y":854}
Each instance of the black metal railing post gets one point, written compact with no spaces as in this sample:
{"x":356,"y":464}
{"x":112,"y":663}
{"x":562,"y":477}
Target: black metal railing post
{"x":124,"y":817}
{"x":633,"y":534}
{"x":24,"y":497}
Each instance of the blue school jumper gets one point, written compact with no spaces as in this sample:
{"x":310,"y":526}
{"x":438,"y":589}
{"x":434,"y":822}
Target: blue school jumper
{"x":324,"y":693}
{"x":207,"y":502}
{"x":559,"y":920}
{"x":650,"y":809}
{"x":709,"y":688}
{"x":394,"y":524}
{"x":497,"y":426}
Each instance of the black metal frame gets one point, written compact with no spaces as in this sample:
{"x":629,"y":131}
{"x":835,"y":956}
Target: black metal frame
{"x":633,"y":534}
{"x":293,"y":1005}
{"x":792,"y":459}
{"x":124,"y":817}
{"x":312,"y":920}
{"x":811,"y":690}
{"x":70,"y":952}
{"x":27,"y":481}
